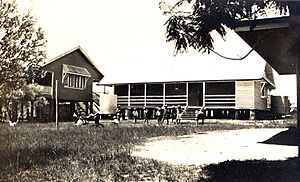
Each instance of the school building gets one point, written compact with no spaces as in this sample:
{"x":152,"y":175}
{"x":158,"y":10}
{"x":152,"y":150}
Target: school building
{"x":230,"y":89}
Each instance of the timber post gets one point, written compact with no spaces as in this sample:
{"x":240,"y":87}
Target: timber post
{"x":294,"y":20}
{"x":298,"y":102}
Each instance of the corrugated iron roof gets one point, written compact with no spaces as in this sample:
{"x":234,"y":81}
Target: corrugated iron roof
{"x":194,"y":66}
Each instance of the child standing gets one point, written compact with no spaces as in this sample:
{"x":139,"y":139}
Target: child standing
{"x":200,"y":115}
{"x":166,"y":115}
{"x":158,"y":115}
{"x":135,"y":115}
{"x":179,"y":112}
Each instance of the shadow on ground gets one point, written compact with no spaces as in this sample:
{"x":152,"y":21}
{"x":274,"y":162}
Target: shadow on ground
{"x":257,"y":170}
{"x":288,"y":137}
{"x":252,"y":170}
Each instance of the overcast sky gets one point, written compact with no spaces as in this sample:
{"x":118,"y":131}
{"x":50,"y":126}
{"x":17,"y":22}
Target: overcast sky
{"x":113,"y":33}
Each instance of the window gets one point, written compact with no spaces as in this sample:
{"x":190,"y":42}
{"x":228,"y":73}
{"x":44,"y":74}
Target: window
{"x":75,"y":81}
{"x":155,"y":89}
{"x":137,"y":89}
{"x":121,"y":90}
{"x":175,"y":88}
{"x":220,"y":88}
{"x":75,"y":77}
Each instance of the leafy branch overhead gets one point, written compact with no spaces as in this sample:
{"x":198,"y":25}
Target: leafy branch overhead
{"x":190,"y":22}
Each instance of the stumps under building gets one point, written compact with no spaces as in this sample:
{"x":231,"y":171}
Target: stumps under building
{"x":74,"y":73}
{"x":232,"y":89}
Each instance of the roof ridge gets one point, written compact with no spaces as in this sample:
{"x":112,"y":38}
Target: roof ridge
{"x":72,"y":50}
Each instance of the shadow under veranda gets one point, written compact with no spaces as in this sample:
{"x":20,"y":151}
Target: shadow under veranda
{"x":252,"y":170}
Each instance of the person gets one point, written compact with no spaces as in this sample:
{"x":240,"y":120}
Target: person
{"x":80,"y":121}
{"x":146,"y":116}
{"x":118,"y":113}
{"x":135,"y":115}
{"x":90,"y":117}
{"x":11,"y":123}
{"x":5,"y":116}
{"x":97,"y":117}
{"x":115,"y":120}
{"x":200,"y":115}
{"x":173,"y":114}
{"x":75,"y":117}
{"x":179,"y":112}
{"x":166,"y":115}
{"x":158,"y":115}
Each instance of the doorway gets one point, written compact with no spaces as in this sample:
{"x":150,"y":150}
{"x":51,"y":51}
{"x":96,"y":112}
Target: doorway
{"x":195,"y":94}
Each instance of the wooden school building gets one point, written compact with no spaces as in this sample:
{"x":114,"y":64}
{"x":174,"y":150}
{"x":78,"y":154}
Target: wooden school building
{"x":231,"y":89}
{"x":231,"y":99}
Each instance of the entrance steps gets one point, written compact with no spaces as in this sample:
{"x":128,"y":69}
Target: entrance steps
{"x":190,"y":113}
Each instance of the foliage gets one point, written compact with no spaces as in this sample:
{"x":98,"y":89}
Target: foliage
{"x":191,"y":22}
{"x":39,"y":152}
{"x":22,"y":49}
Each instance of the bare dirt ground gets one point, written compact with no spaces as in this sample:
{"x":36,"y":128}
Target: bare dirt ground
{"x":215,"y":147}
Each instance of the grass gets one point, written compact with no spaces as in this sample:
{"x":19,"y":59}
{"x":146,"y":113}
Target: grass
{"x":39,"y":152}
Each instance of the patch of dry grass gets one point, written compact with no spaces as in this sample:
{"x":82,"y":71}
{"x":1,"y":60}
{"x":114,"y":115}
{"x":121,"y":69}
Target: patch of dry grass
{"x":39,"y":152}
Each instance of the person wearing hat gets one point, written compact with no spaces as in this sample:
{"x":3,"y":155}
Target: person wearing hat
{"x":145,"y":111}
{"x":135,"y":115}
{"x":166,"y":115}
{"x":158,"y":115}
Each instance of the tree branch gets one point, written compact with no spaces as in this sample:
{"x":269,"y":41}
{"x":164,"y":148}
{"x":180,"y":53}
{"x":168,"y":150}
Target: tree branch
{"x":241,"y":58}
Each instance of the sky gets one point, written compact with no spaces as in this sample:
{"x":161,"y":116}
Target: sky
{"x":116,"y":34}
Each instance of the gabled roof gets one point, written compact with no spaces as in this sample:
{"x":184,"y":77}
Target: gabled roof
{"x":195,"y":66}
{"x":73,"y":50}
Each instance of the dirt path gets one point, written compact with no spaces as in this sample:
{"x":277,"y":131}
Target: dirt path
{"x":215,"y":147}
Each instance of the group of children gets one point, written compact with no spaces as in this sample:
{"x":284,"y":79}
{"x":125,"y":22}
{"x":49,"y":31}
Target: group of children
{"x":80,"y":119}
{"x":163,"y":114}
{"x":173,"y":113}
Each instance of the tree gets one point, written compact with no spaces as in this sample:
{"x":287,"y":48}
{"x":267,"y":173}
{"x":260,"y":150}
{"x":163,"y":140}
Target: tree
{"x":191,"y":22}
{"x":22,"y":50}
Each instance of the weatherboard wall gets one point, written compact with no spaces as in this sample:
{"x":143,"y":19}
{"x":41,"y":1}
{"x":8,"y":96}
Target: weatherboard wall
{"x":244,"y":94}
{"x":260,"y":101}
{"x":75,"y":58}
